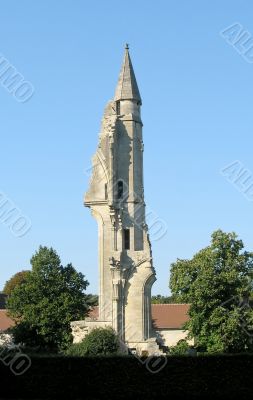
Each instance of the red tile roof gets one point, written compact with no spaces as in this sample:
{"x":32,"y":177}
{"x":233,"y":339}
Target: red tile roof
{"x":170,"y":316}
{"x":5,"y":321}
{"x":93,"y":313}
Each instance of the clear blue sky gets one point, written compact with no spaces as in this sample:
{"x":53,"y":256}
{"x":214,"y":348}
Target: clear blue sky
{"x":197,"y":113}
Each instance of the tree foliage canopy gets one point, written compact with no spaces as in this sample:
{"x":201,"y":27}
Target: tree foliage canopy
{"x":217,"y":282}
{"x":159,"y":299}
{"x":50,"y":298}
{"x":18,"y":279}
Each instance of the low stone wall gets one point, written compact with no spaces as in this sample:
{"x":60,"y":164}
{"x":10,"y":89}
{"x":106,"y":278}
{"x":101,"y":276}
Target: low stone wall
{"x":6,"y":340}
{"x":81,"y":328}
{"x":170,"y":337}
{"x":150,"y":347}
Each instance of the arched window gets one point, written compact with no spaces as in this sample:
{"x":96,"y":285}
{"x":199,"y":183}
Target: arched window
{"x":126,"y":239}
{"x":120,"y":190}
{"x":106,"y":192}
{"x":118,"y":107}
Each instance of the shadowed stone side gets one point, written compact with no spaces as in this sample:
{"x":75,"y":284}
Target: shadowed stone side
{"x":116,"y":200}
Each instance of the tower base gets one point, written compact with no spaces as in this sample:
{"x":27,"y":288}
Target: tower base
{"x":147,"y":347}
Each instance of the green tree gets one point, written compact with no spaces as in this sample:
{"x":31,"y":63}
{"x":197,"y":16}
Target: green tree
{"x":100,"y":341}
{"x":50,"y":298}
{"x":217,"y":282}
{"x":92,"y":300}
{"x":159,"y":299}
{"x":18,"y":279}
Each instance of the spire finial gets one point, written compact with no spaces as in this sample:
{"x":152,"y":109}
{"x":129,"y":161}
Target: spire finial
{"x":127,"y":88}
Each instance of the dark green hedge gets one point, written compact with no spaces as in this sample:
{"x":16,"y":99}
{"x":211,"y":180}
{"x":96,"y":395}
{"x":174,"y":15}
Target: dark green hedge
{"x":128,"y":378}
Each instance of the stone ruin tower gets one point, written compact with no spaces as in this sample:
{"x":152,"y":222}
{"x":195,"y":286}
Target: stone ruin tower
{"x":116,"y":200}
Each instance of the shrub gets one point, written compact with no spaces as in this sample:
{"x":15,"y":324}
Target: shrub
{"x":181,"y":348}
{"x":100,"y":341}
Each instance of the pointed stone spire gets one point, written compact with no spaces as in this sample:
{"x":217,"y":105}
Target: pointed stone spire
{"x":127,"y":88}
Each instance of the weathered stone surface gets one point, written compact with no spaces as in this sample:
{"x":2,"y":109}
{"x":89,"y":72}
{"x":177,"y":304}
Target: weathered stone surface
{"x":116,"y":200}
{"x":6,"y":340}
